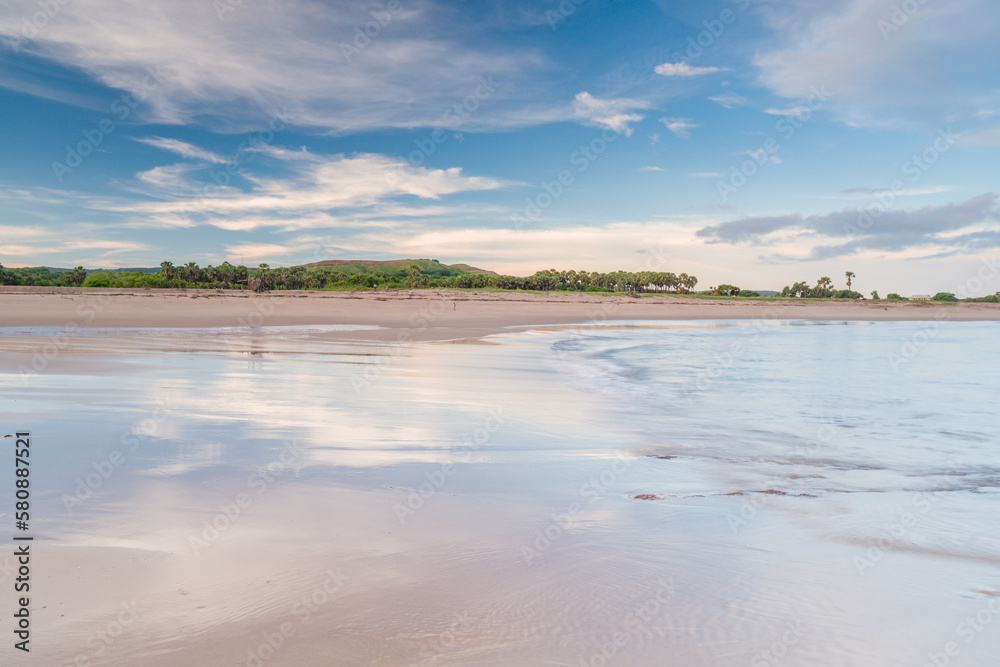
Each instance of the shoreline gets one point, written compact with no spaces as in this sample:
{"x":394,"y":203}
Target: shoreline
{"x":429,"y":315}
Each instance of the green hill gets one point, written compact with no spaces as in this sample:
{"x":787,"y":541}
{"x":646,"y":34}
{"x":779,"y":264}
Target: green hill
{"x":427,"y":266}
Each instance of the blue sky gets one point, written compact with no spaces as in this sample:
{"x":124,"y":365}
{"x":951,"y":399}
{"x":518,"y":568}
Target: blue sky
{"x":755,"y":142}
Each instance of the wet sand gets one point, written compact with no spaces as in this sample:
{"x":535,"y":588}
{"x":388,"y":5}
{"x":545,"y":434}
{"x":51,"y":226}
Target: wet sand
{"x":429,"y":315}
{"x":554,"y":542}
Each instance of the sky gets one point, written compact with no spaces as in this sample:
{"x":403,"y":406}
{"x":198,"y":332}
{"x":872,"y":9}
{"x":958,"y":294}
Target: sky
{"x":749,"y":142}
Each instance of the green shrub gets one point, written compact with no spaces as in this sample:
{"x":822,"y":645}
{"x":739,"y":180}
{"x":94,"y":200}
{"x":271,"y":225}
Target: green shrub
{"x":98,"y":279}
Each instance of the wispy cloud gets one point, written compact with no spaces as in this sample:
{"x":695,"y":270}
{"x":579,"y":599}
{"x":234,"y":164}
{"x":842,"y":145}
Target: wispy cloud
{"x":960,"y":226}
{"x":984,"y":138}
{"x":871,"y":193}
{"x":256,"y":252}
{"x":183,"y":149}
{"x":171,"y":178}
{"x":680,"y":126}
{"x":650,"y":169}
{"x":931,"y":61}
{"x":684,"y":70}
{"x":730,"y":100}
{"x":707,"y":174}
{"x":306,"y":59}
{"x":319,"y":190}
{"x":790,"y":111}
{"x":614,"y":114}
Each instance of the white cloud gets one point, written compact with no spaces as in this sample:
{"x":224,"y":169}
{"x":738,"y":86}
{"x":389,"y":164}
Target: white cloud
{"x":883,"y":69}
{"x":113,"y":247}
{"x":956,"y":227}
{"x":650,"y":169}
{"x":983,"y":138}
{"x":871,"y":193}
{"x":297,"y":57}
{"x":320,"y":183}
{"x":707,"y":174}
{"x":680,"y":126}
{"x":761,"y":156}
{"x":613,"y":114}
{"x":72,"y":246}
{"x":730,"y":100}
{"x":792,"y":111}
{"x":170,"y":177}
{"x":183,"y":149}
{"x":684,"y":70}
{"x":22,"y":233}
{"x":256,"y":252}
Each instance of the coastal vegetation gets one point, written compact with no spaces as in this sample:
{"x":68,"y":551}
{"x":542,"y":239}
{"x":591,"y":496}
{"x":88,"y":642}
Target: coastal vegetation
{"x":422,"y":273}
{"x":823,"y":289}
{"x":403,"y":274}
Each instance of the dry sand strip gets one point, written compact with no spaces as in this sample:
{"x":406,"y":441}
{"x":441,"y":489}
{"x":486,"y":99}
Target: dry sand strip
{"x":430,"y":314}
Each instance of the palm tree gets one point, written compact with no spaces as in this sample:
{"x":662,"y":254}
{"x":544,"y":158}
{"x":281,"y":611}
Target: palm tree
{"x":849,"y":274}
{"x":167,"y":269}
{"x":823,"y":286}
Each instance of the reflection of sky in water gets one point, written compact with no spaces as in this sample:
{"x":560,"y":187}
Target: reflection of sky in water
{"x":210,"y":412}
{"x":204,"y":408}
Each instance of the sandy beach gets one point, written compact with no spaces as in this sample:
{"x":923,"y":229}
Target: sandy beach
{"x":429,"y":314}
{"x":303,"y":493}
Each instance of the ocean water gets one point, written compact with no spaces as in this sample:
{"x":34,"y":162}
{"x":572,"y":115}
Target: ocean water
{"x":634,"y":493}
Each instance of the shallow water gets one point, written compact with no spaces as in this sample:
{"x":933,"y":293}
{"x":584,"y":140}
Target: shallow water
{"x":711,"y":493}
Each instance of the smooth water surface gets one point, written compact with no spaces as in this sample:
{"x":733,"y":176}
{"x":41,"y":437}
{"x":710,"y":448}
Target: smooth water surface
{"x":635,"y":493}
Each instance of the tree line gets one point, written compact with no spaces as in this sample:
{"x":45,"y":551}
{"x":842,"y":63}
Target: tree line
{"x":263,"y":277}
